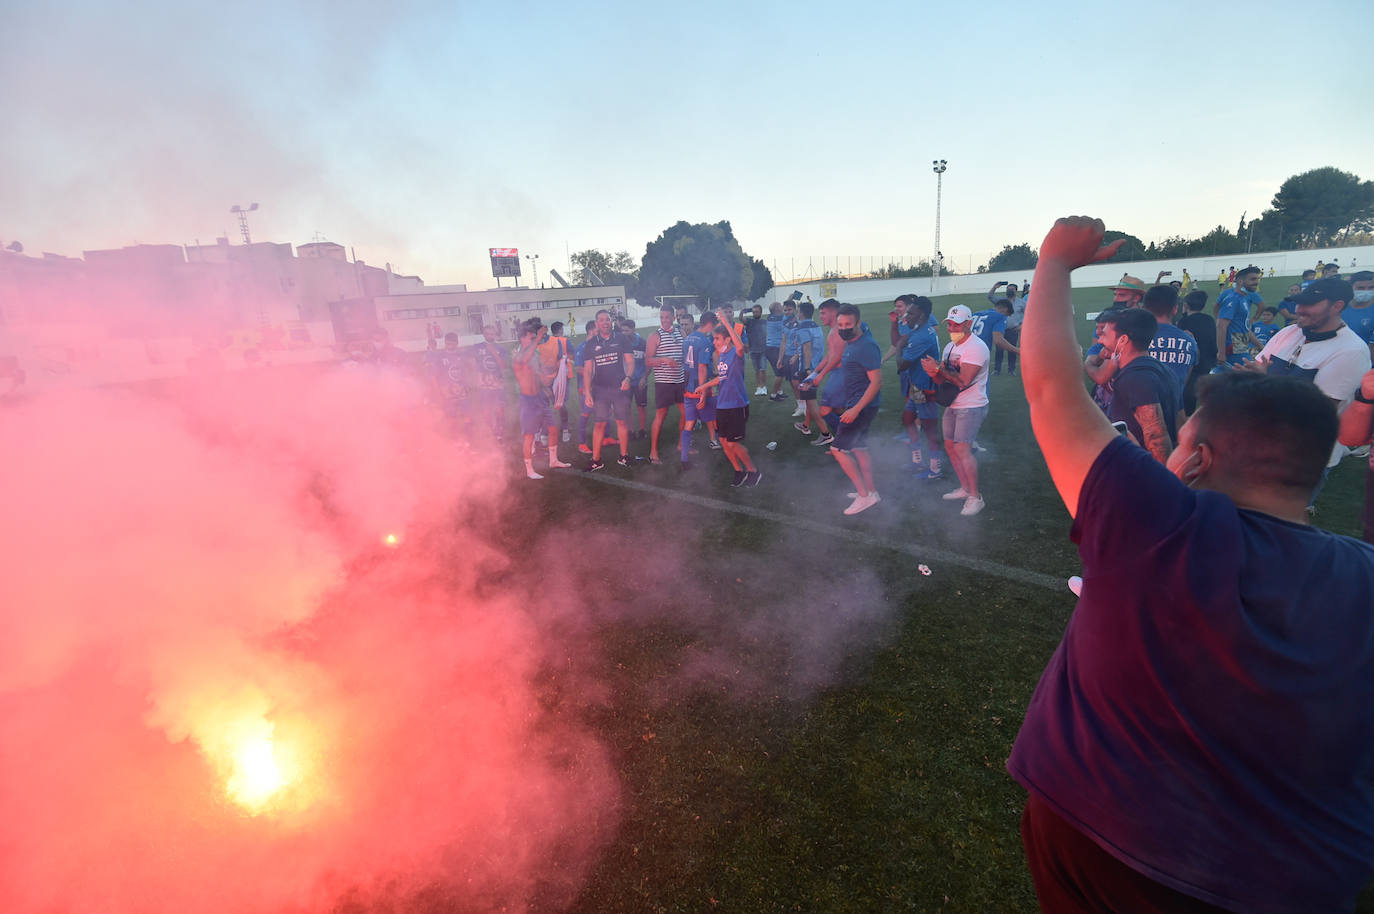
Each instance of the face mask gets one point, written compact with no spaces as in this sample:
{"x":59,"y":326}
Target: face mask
{"x":848,"y":333}
{"x":959,"y":335}
{"x":1364,"y":296}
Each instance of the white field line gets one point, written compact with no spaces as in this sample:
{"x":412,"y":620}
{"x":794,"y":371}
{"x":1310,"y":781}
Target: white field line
{"x":933,"y":554}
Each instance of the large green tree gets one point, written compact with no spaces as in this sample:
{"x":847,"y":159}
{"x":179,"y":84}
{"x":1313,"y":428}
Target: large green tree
{"x":1318,"y":205}
{"x":1014,"y":257}
{"x":1133,"y":249}
{"x":700,"y":259}
{"x":762,"y":280}
{"x":612,"y":269}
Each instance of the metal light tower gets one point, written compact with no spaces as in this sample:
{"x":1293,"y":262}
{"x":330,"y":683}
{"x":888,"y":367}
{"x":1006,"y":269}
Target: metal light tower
{"x":243,"y":220}
{"x":938,"y":166}
{"x":534,"y":270}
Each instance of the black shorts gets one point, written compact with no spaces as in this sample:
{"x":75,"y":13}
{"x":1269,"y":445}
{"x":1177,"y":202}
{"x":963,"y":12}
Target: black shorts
{"x":806,"y":393}
{"x":853,"y":436}
{"x":668,"y":393}
{"x":604,"y":399}
{"x":640,"y":394}
{"x":730,"y":422}
{"x":772,"y":353}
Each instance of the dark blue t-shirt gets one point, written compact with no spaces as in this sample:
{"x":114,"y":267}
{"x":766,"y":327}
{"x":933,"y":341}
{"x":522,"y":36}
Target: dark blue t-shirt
{"x":860,"y":357}
{"x":1208,"y":718}
{"x":757,"y":332}
{"x":730,"y":368}
{"x":1176,"y":350}
{"x":1144,"y":381}
{"x":638,"y":348}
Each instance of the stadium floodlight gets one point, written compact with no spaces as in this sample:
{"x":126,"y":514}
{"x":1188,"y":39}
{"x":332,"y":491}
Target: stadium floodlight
{"x":938,"y":166}
{"x":243,"y":220}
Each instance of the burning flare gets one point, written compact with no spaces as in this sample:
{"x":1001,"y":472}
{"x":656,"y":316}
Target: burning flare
{"x":256,"y":774}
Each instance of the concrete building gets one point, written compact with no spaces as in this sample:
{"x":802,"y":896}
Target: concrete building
{"x":412,"y":318}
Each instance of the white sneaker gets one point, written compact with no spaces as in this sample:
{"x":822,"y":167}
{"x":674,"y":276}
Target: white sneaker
{"x":976,"y":447}
{"x":799,"y":412}
{"x":862,"y":503}
{"x":567,"y":435}
{"x":955,"y":495}
{"x":761,"y":392}
{"x":972,"y":505}
{"x":530,"y":473}
{"x":1361,"y":451}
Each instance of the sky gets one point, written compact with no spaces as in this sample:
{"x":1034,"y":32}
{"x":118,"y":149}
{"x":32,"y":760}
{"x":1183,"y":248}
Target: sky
{"x":423,"y":134}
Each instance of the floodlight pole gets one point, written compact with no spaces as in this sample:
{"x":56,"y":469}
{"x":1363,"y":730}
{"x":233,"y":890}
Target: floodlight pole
{"x":938,"y":166}
{"x":534,"y":270}
{"x":242,"y":213}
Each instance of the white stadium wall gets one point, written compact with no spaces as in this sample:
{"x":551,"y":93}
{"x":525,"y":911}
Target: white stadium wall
{"x":1202,"y":269}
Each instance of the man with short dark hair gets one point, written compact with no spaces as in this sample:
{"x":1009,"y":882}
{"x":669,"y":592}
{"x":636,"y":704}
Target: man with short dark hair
{"x":1203,"y":327}
{"x":536,"y":397}
{"x":490,"y":363}
{"x":1144,"y":394}
{"x":698,"y":365}
{"x":920,"y":412}
{"x":663,"y":354}
{"x":1172,"y":347}
{"x":1012,"y":331}
{"x":1200,"y":740}
{"x":811,"y":342}
{"x":861,"y":374}
{"x":1235,"y":342}
{"x":608,"y":363}
{"x":639,"y":380}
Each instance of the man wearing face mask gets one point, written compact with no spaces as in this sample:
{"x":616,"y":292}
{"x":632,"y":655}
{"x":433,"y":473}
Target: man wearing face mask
{"x":1128,"y":292}
{"x":1200,"y":739}
{"x":1359,"y":314}
{"x":1235,"y":342}
{"x":1144,"y":394}
{"x":965,"y":364}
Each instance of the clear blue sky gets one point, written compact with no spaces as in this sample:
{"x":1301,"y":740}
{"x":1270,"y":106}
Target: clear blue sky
{"x":423,"y":134}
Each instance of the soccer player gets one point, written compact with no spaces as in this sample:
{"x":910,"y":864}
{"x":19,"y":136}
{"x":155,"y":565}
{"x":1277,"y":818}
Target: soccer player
{"x":536,"y":397}
{"x":825,"y":378}
{"x":490,"y":361}
{"x":732,"y":404}
{"x":553,"y":353}
{"x":788,"y":321}
{"x":1012,"y":331}
{"x":608,"y":362}
{"x":1200,"y":739}
{"x":697,"y":361}
{"x":990,"y":325}
{"x":963,"y":363}
{"x":1265,"y":325}
{"x":663,"y":354}
{"x":1235,"y":342}
{"x":812,"y":338}
{"x":861,"y":377}
{"x":756,"y":331}
{"x":1359,"y":314}
{"x":920,"y":405}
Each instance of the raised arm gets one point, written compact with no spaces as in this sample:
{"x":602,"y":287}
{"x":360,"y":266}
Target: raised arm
{"x":1069,"y":427}
{"x":1357,"y":422}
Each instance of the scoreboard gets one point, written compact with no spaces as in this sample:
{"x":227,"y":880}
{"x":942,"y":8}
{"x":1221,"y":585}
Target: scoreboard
{"x":505,"y":261}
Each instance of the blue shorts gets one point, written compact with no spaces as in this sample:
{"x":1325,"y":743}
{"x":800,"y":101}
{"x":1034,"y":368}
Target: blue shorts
{"x":853,"y":436}
{"x":536,"y":414}
{"x":757,"y":359}
{"x":833,"y":394}
{"x":703,"y":410}
{"x":926,"y":410}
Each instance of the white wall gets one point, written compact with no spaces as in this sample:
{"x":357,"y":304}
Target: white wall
{"x":1204,"y":269}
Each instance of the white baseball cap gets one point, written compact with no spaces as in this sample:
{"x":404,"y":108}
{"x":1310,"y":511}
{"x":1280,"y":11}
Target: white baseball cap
{"x":959,"y":314}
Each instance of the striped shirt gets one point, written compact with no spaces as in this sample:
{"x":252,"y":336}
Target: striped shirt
{"x":670,"y":347}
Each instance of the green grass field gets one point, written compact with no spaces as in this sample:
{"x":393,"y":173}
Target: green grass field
{"x":801,"y":719}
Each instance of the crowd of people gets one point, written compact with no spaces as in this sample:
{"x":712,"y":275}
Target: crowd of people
{"x":1152,"y":345}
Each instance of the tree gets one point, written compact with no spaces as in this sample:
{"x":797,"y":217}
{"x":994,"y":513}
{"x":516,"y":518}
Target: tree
{"x":611,"y":269}
{"x":1133,"y":249}
{"x":762,"y":281}
{"x":698,"y":259}
{"x":1317,"y":205}
{"x":1013,"y":257}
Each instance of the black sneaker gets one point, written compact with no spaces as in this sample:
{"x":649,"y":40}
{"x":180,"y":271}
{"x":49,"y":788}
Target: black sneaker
{"x":624,"y":461}
{"x":593,"y":465}
{"x":739,"y":479}
{"x":753,"y":479}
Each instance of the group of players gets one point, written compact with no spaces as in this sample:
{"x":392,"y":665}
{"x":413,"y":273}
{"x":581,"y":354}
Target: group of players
{"x":826,"y":356}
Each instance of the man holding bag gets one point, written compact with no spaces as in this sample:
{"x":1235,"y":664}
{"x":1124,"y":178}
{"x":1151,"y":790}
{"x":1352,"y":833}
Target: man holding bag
{"x":962,"y":371}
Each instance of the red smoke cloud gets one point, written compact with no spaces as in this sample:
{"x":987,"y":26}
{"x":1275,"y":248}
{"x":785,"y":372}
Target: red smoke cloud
{"x":221,"y":692}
